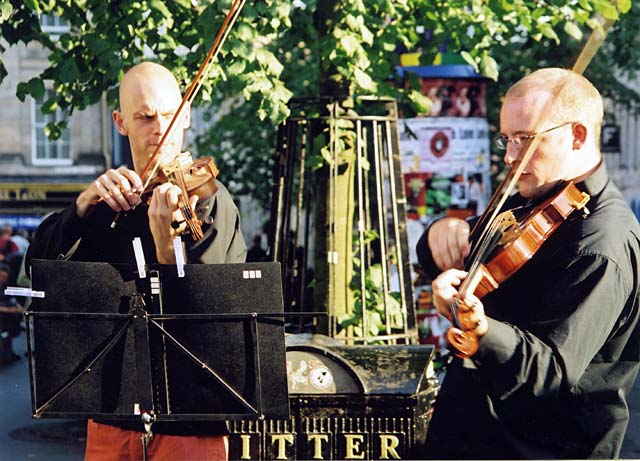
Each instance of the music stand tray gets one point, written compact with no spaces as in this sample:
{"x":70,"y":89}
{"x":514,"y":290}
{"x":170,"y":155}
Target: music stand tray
{"x":105,"y":342}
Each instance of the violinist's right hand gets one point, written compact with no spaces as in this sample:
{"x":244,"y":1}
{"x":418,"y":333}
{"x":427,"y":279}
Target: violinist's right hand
{"x":470,"y":310}
{"x":449,"y":243}
{"x":120,"y":189}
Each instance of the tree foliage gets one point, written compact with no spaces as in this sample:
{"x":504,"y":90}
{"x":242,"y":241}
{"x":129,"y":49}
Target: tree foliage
{"x":284,"y":48}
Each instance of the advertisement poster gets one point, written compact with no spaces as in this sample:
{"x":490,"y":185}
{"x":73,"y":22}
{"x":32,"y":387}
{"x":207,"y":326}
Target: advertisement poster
{"x":445,"y":163}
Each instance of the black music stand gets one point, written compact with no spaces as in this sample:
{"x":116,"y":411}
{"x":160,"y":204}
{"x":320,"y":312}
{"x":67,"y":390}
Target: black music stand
{"x":107,"y":343}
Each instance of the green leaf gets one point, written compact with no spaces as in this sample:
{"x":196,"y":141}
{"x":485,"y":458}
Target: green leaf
{"x":364,"y":81}
{"x":237,"y":67}
{"x":35,"y":88}
{"x":22,"y":90}
{"x":315,"y":162}
{"x":52,"y":131}
{"x":421,"y":102}
{"x":367,"y":36}
{"x":32,"y":5}
{"x":160,"y":6}
{"x":469,"y":59}
{"x":375,"y":274}
{"x":5,"y":10}
{"x":548,"y":32}
{"x":624,"y":6}
{"x":606,"y":9}
{"x":280,"y":92}
{"x":246,"y":33}
{"x":50,"y":106}
{"x":573,"y":30}
{"x":268,"y":59}
{"x":389,"y":46}
{"x":585,"y":5}
{"x":489,"y":67}
{"x":69,"y":71}
{"x":349,"y":43}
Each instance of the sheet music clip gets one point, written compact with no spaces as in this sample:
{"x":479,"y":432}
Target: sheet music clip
{"x":178,"y":249}
{"x":19,"y":291}
{"x":140,"y":262}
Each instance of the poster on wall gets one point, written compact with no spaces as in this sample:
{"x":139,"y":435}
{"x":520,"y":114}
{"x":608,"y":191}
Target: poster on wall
{"x":445,"y":164}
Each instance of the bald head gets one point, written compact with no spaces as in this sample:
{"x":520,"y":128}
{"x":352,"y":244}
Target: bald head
{"x":145,"y":77}
{"x":149,"y":99}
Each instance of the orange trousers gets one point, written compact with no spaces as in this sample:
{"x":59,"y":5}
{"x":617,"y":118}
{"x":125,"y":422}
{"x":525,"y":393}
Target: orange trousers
{"x":109,"y":443}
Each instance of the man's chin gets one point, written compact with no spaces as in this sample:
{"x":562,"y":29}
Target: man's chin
{"x":528,"y":190}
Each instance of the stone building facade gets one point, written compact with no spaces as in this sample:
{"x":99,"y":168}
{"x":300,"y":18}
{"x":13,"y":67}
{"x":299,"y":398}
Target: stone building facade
{"x":38,"y":175}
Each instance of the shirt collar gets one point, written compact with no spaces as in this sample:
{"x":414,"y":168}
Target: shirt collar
{"x":596,"y":182}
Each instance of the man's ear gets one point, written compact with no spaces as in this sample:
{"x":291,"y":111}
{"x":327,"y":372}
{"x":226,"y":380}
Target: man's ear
{"x":119,"y":122}
{"x":579,"y":135}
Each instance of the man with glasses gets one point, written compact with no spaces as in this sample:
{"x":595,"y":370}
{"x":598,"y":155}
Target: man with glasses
{"x":559,"y":341}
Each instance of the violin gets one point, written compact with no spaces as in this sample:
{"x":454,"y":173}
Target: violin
{"x":194,"y":177}
{"x":517,"y":242}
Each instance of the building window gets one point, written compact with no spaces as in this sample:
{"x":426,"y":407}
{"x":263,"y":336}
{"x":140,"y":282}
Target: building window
{"x":53,"y":25}
{"x":43,"y":150}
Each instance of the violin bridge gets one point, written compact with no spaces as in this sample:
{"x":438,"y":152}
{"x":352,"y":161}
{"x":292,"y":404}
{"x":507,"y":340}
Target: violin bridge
{"x":181,"y":161}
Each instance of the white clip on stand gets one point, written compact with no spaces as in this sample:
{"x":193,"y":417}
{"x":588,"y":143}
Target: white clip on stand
{"x":140,"y":262}
{"x":19,"y":291}
{"x":178,"y":249}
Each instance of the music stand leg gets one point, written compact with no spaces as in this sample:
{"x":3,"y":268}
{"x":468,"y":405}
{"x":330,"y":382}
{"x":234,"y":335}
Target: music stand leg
{"x":146,"y":438}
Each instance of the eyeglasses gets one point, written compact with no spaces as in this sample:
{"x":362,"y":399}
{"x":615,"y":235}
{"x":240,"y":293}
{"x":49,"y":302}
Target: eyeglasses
{"x":503,"y":140}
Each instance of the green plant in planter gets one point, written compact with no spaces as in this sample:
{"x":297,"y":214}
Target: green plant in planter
{"x":374,"y":299}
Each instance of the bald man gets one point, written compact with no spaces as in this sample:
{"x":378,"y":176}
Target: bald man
{"x":149,"y":98}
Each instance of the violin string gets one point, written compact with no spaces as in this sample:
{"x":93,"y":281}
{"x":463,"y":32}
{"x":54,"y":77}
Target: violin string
{"x":453,"y":308}
{"x":187,"y":214}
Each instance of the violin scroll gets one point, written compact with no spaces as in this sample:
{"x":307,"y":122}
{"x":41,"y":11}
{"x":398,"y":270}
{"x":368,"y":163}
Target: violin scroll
{"x":463,"y":343}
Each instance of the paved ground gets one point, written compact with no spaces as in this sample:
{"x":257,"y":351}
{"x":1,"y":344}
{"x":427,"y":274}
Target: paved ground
{"x":23,"y":438}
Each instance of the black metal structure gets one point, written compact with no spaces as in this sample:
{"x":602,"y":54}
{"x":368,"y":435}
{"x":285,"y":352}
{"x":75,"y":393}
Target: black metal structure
{"x":365,"y":141}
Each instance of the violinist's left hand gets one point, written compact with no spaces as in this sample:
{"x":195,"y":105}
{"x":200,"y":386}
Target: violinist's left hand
{"x":164,"y":209}
{"x":470,"y":309}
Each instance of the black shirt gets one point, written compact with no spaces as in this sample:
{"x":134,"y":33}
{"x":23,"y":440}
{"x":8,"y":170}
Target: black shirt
{"x":551,"y":376}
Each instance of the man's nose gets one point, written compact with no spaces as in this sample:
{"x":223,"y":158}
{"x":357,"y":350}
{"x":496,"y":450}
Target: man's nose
{"x":160,"y":124}
{"x":512,"y":154}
